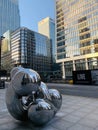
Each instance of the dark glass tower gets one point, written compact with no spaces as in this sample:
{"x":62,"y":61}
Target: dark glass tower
{"x":9,"y":15}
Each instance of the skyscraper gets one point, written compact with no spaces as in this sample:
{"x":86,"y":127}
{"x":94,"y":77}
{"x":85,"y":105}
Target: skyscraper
{"x":47,"y":27}
{"x":76,"y":35}
{"x":9,"y":15}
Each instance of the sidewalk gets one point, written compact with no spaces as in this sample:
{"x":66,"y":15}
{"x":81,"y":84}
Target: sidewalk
{"x":76,"y":113}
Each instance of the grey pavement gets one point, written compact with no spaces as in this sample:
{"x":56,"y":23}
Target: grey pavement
{"x":76,"y":113}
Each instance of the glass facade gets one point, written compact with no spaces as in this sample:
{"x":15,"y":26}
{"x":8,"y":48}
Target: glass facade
{"x":31,"y":49}
{"x":5,"y":52}
{"x":77,"y":34}
{"x":9,"y":15}
{"x":47,"y":28}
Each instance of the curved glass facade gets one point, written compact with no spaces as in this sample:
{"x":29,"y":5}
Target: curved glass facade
{"x":77,"y":34}
{"x":9,"y":15}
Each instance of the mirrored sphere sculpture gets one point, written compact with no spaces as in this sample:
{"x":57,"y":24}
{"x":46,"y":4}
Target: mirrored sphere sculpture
{"x":29,"y":99}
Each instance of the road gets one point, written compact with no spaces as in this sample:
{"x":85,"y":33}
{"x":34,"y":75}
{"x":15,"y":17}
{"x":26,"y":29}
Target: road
{"x":77,"y":90}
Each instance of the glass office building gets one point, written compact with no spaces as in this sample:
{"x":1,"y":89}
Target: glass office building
{"x":6,"y":52}
{"x":76,"y":35}
{"x":31,"y":50}
{"x":9,"y":15}
{"x":47,"y":27}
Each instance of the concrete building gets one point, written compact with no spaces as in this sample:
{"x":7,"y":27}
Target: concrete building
{"x":76,"y":35}
{"x":9,"y":15}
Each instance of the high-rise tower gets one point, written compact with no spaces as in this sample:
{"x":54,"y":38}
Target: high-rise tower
{"x":76,"y":35}
{"x":47,"y":27}
{"x":9,"y":15}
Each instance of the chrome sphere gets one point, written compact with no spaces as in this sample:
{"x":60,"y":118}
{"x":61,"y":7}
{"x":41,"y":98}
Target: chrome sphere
{"x":25,"y":81}
{"x":14,"y":71}
{"x":44,"y":89}
{"x":56,"y":98}
{"x":41,"y":113}
{"x":14,"y":105}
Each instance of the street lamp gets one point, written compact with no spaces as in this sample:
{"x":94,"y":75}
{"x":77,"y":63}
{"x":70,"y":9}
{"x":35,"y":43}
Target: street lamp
{"x":1,"y":38}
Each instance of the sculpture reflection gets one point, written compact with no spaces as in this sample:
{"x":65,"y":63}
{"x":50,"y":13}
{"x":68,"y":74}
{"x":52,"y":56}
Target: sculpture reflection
{"x":27,"y":98}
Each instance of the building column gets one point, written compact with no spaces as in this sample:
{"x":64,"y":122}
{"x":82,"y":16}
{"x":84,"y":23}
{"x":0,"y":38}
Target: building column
{"x":63,"y":71}
{"x":74,"y":67}
{"x":86,"y":63}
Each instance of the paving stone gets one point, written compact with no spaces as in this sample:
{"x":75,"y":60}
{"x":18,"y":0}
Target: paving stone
{"x":85,"y":109}
{"x":89,"y":122}
{"x":96,"y":128}
{"x":48,"y":128}
{"x":92,"y":116}
{"x":72,"y":118}
{"x":62,"y":124}
{"x":79,"y":114}
{"x":79,"y":127}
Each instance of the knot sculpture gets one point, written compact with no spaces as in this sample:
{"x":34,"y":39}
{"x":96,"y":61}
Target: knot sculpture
{"x":28,"y":98}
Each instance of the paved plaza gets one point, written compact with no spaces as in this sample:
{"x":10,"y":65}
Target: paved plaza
{"x":76,"y":113}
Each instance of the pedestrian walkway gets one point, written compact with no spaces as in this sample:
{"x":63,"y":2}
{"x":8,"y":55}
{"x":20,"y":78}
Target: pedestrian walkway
{"x":76,"y":113}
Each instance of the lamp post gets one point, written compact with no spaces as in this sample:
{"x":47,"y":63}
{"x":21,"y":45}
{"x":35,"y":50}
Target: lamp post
{"x":1,"y":38}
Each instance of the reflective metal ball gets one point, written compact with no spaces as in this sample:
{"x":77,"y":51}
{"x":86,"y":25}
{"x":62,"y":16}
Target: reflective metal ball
{"x":56,"y":98}
{"x":41,"y":113}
